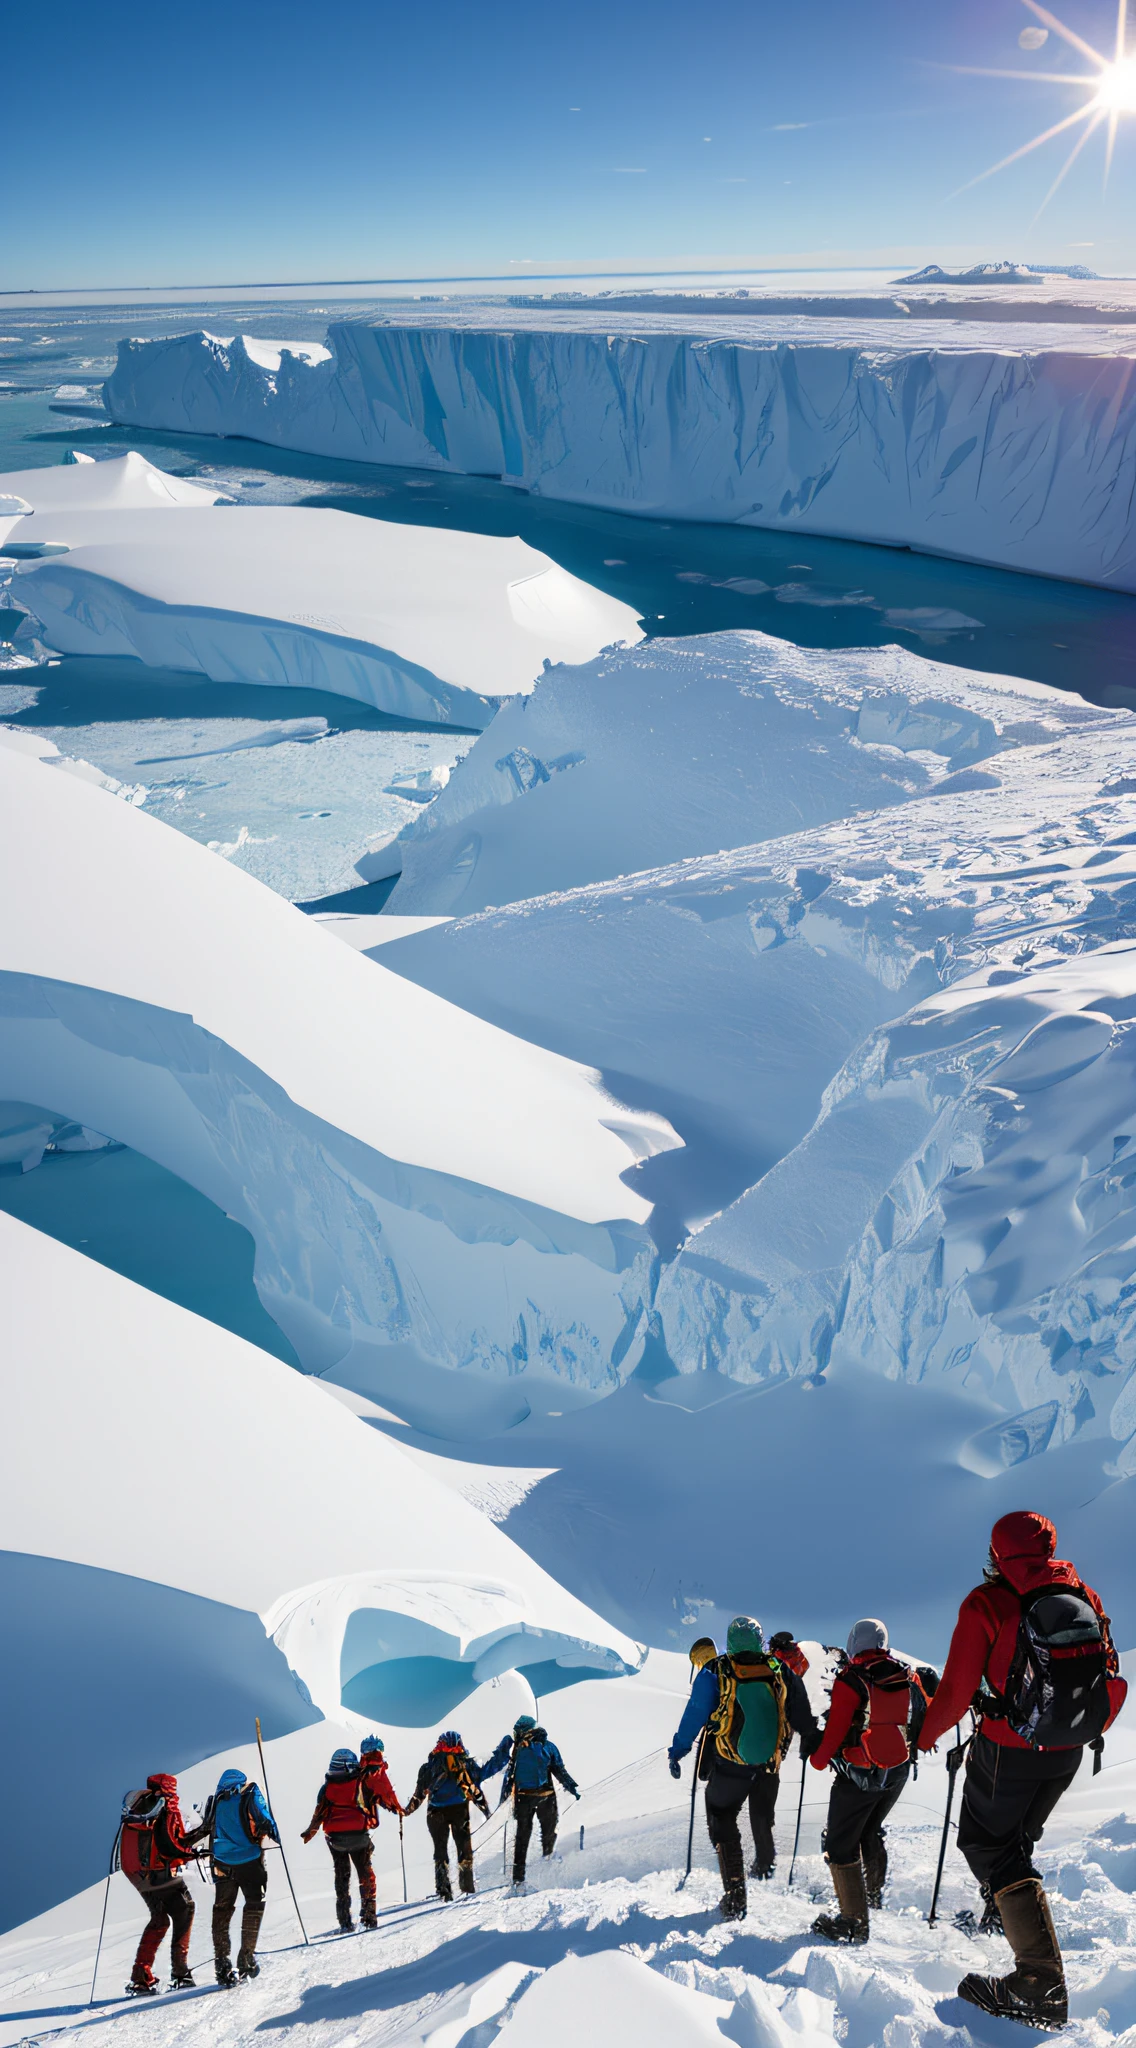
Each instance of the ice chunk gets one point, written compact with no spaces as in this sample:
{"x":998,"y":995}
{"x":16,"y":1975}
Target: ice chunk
{"x":684,"y":747}
{"x":419,"y":621}
{"x":123,"y":483}
{"x":423,"y":1189}
{"x":995,"y":450}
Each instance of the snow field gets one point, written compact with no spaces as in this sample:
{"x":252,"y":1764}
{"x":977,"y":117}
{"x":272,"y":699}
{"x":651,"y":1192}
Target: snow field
{"x":621,"y":1953}
{"x":997,"y":449}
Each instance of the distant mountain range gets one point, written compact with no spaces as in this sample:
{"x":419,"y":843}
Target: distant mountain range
{"x":995,"y":273}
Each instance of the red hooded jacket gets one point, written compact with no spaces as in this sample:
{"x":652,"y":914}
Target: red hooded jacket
{"x":986,"y":1633}
{"x":377,"y":1785}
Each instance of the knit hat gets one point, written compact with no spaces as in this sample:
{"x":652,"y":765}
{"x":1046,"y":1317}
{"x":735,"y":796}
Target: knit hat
{"x":867,"y":1635}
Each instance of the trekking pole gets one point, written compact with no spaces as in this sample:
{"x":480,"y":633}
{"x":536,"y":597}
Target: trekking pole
{"x":106,"y":1901}
{"x":402,"y":1853}
{"x":279,"y":1844}
{"x":954,"y":1760}
{"x":693,"y":1798}
{"x":800,"y":1810}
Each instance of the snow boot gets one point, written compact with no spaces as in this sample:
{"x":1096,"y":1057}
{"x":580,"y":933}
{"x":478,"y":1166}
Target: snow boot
{"x":762,"y":1871}
{"x":732,"y":1905}
{"x":247,"y":1965}
{"x":224,"y":1972}
{"x":442,"y":1884}
{"x":368,"y":1919}
{"x":182,"y":1980}
{"x":1034,"y":1992}
{"x":850,"y":1924}
{"x":875,"y":1860}
{"x":465,"y":1880}
{"x":346,"y":1923}
{"x":143,"y":1983}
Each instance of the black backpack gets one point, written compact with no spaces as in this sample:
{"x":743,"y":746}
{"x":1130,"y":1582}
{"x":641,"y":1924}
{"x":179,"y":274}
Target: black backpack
{"x":1056,"y":1691}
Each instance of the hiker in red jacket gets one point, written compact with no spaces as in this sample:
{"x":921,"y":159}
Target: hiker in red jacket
{"x":876,"y":1700}
{"x":1036,"y":1640}
{"x":154,"y":1848}
{"x":347,"y":1811}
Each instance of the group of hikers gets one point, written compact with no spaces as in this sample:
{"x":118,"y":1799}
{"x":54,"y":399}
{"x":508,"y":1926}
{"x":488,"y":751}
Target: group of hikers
{"x":1031,"y":1661}
{"x":155,"y":1845}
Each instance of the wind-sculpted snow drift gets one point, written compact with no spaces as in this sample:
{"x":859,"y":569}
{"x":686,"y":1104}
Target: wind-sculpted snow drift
{"x":1020,"y":456}
{"x":369,"y":1585}
{"x":684,"y":747}
{"x":423,"y":1191}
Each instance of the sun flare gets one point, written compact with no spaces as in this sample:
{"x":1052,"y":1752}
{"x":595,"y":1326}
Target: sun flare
{"x":1111,"y":85}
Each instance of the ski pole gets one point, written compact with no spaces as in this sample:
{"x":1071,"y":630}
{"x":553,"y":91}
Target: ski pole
{"x":106,"y":1901}
{"x":402,"y":1853}
{"x":954,"y":1759}
{"x":800,"y":1809}
{"x":279,"y":1844}
{"x":693,"y":1798}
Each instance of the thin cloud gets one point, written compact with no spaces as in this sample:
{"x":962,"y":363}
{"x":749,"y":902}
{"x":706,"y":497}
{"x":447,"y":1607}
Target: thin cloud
{"x":630,"y":170}
{"x":784,"y":127}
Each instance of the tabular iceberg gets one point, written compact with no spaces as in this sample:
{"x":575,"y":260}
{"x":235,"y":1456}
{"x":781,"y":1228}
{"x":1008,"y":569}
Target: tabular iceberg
{"x":419,"y":621}
{"x":1020,"y":456}
{"x":424,"y":1191}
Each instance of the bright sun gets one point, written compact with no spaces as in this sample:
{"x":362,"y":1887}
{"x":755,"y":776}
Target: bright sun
{"x":1111,"y":84}
{"x":1116,"y":91}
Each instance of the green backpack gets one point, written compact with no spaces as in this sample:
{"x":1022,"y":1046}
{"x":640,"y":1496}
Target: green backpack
{"x":749,"y":1725}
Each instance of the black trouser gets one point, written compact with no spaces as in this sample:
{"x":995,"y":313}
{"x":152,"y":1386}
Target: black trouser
{"x":231,"y":1878}
{"x":762,"y":1806}
{"x":1007,"y":1797}
{"x":856,"y":1817}
{"x":171,"y":1906}
{"x":528,"y":1806}
{"x":444,"y":1821}
{"x":349,"y":1848}
{"x":727,"y":1790}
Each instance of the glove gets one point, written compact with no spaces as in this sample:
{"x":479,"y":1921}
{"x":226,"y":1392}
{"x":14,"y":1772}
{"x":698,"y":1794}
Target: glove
{"x":307,"y":1834}
{"x":811,"y":1743}
{"x":575,"y":1794}
{"x":675,"y":1767}
{"x":955,"y":1758}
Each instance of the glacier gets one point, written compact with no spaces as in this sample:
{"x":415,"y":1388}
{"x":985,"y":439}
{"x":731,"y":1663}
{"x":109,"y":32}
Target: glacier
{"x":425,"y":623}
{"x":424,"y":1191}
{"x":990,"y":447}
{"x":685,"y":747}
{"x":366,"y":1569}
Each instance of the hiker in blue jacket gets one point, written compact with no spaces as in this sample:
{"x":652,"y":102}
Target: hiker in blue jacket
{"x":450,"y":1782}
{"x":531,"y":1762}
{"x":750,"y":1706}
{"x":239,"y":1822}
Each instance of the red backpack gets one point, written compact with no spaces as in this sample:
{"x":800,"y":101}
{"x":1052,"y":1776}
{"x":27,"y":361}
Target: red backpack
{"x":892,"y":1703}
{"x":138,"y":1852}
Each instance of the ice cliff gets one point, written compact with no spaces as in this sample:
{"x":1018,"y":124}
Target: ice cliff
{"x":1014,"y":454}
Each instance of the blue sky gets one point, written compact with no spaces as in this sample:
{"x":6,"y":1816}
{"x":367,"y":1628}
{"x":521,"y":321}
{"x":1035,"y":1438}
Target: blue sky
{"x":247,"y":141}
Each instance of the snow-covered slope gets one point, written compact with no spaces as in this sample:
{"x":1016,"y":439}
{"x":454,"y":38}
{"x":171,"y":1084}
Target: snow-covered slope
{"x":424,"y":622}
{"x":166,"y":1489}
{"x":423,"y":1190}
{"x":1022,"y":456}
{"x":727,"y":991}
{"x":684,"y":747}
